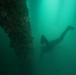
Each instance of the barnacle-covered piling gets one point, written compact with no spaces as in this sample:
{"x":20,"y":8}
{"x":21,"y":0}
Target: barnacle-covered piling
{"x":14,"y":19}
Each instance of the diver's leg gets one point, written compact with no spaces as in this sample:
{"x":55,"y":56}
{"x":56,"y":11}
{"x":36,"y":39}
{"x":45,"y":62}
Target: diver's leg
{"x":66,"y":30}
{"x":55,"y":42}
{"x":44,"y":40}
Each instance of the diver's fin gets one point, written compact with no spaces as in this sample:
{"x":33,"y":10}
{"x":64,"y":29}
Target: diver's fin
{"x":71,"y":27}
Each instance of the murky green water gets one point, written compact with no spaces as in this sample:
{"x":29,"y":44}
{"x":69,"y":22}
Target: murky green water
{"x":49,"y":18}
{"x":8,"y":59}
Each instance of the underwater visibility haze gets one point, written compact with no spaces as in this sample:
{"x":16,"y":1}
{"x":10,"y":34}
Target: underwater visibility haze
{"x":49,"y":19}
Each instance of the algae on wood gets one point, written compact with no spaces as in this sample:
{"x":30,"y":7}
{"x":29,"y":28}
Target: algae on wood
{"x":14,"y":19}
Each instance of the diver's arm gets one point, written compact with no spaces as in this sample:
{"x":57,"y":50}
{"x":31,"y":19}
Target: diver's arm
{"x":44,"y":40}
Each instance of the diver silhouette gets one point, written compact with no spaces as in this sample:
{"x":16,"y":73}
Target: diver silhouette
{"x":49,"y":45}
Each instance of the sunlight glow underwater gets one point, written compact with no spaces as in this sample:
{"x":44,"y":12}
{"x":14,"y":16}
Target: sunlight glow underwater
{"x":55,"y":15}
{"x":52,"y":17}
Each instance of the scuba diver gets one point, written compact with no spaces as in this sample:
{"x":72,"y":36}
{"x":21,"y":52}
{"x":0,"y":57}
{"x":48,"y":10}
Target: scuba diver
{"x":49,"y":45}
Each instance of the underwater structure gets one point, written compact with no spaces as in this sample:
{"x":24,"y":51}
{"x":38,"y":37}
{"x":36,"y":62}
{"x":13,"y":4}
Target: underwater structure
{"x":14,"y":19}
